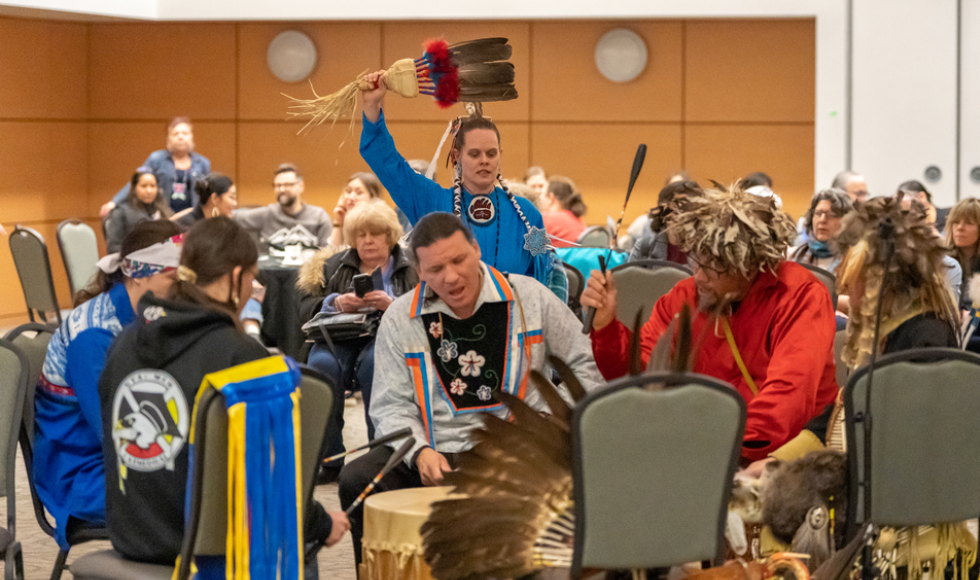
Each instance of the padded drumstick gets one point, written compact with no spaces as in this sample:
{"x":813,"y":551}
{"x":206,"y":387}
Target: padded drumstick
{"x":400,"y":434}
{"x":641,"y":155}
{"x":399,"y":454}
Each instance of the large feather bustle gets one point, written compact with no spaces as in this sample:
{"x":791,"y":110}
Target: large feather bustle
{"x":517,"y":482}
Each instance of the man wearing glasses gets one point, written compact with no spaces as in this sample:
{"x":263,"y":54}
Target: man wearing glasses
{"x":766,"y":325}
{"x":290,"y":221}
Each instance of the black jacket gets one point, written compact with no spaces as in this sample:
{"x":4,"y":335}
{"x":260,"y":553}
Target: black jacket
{"x":147,"y":392}
{"x":339,"y":271}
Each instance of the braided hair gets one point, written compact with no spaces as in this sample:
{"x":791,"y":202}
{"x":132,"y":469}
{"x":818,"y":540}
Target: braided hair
{"x":465,"y":126}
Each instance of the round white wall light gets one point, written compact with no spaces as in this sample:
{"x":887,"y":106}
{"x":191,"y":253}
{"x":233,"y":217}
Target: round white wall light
{"x":291,"y":56}
{"x":621,"y":55}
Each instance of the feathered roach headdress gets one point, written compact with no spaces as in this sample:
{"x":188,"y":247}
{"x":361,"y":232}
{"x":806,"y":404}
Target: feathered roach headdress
{"x":739,"y":231}
{"x":471,"y":71}
{"x":916,"y":280}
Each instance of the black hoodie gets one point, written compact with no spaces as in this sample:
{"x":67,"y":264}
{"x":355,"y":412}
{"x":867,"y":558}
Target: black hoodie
{"x":147,"y":393}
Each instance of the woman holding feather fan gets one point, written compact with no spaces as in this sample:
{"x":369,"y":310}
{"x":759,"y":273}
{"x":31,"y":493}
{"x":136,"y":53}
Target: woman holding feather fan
{"x":496,"y":217}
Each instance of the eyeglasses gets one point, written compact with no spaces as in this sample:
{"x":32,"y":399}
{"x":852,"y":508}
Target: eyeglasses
{"x":285,"y":185}
{"x":694,"y":264}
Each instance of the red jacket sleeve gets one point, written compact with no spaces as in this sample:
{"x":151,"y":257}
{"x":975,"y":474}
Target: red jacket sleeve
{"x":802,"y":339}
{"x":610,"y":346}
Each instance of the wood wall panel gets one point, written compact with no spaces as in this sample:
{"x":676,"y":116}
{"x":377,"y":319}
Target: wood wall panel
{"x":119,"y":148}
{"x":724,"y":153}
{"x":750,"y":70}
{"x":44,"y":69}
{"x":45,"y":171}
{"x":599,"y":157}
{"x":263,"y":146}
{"x":344,"y":51}
{"x":404,"y":40}
{"x":567,"y":86}
{"x":159,"y":71}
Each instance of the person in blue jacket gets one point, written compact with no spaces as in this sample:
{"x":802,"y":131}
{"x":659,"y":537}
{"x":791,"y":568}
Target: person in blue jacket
{"x":508,"y":229}
{"x":68,"y":468}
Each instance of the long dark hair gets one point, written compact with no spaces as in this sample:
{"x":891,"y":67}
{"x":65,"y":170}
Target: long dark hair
{"x":143,"y":235}
{"x":567,"y":194}
{"x":212,"y":249}
{"x":216,"y":184}
{"x":159,"y":203}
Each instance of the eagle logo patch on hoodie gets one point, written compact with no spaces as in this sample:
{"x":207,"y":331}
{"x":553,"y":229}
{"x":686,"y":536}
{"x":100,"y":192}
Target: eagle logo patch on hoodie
{"x":150,"y":421}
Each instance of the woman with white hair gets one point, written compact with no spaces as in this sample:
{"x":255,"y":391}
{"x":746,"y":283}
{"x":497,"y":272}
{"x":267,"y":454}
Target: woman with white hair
{"x":372,"y":231}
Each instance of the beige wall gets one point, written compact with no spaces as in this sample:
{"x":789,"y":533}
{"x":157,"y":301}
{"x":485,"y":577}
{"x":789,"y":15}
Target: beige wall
{"x":82,"y":105}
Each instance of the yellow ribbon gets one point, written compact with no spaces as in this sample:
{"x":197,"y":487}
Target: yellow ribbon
{"x":738,"y":356}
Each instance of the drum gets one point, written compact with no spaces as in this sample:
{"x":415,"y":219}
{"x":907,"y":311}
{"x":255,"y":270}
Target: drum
{"x":392,"y":546}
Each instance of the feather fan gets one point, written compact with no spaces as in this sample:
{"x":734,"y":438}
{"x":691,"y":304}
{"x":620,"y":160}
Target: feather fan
{"x":470,"y":71}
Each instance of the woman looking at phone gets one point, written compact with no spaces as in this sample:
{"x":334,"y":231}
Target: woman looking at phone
{"x":372,"y":231}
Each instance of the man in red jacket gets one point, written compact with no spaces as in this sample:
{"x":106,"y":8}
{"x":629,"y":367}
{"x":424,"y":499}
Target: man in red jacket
{"x":774,"y":339}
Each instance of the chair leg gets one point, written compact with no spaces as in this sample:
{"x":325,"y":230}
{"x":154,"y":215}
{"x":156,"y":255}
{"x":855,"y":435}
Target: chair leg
{"x":13,"y":565}
{"x":59,"y":565}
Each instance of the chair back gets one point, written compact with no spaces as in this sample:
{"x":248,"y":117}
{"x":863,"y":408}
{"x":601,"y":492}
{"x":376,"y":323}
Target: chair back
{"x":925,"y":438}
{"x":640,"y":284}
{"x":595,"y":237}
{"x":34,"y":270}
{"x":576,"y":282}
{"x":32,"y":339}
{"x":208,"y":530}
{"x":13,"y":386}
{"x":828,"y":279}
{"x":682,"y":446}
{"x":80,"y":253}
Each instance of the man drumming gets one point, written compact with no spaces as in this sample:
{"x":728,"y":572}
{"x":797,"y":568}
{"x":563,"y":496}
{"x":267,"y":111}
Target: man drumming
{"x":445,"y":351}
{"x":774,"y":337}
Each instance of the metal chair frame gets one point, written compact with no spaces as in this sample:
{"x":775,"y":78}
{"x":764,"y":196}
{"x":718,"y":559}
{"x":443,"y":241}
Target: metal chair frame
{"x":20,"y":231}
{"x":12,"y":553}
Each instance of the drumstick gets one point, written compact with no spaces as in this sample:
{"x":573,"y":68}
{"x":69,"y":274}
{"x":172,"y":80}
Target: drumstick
{"x":399,"y":454}
{"x":400,"y":434}
{"x":589,"y":311}
{"x":641,"y":155}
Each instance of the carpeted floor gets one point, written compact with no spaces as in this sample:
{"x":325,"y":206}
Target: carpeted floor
{"x":336,"y":563}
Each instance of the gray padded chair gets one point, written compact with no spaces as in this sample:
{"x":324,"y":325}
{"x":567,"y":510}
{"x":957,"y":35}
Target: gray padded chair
{"x":576,"y":281}
{"x":828,"y":279}
{"x":207,"y":525}
{"x":32,"y":339}
{"x":595,"y":237}
{"x":681,"y":445}
{"x":13,"y":385}
{"x":79,"y":251}
{"x":30,"y":255}
{"x":640,"y":284}
{"x":925,"y":439}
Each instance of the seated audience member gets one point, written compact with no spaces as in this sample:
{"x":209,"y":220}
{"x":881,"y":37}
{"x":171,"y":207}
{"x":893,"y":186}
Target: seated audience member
{"x":917,"y":308}
{"x":149,"y":386}
{"x":290,"y":221}
{"x":822,"y":222}
{"x":176,"y":168}
{"x":144,"y":202}
{"x":658,"y":242}
{"x":638,"y":228}
{"x":372,"y":232}
{"x":216,"y":195}
{"x":454,"y":334}
{"x":68,"y":467}
{"x":768,"y":308}
{"x":954,"y":273}
{"x":562,"y":209}
{"x":914,"y":189}
{"x":853,"y":184}
{"x":360,"y":187}
{"x":536,"y":179}
{"x":756,"y":179}
{"x":963,"y":240}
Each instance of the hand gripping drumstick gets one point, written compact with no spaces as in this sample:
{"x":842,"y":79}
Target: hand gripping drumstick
{"x":400,"y":434}
{"x":641,"y":154}
{"x":399,"y":454}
